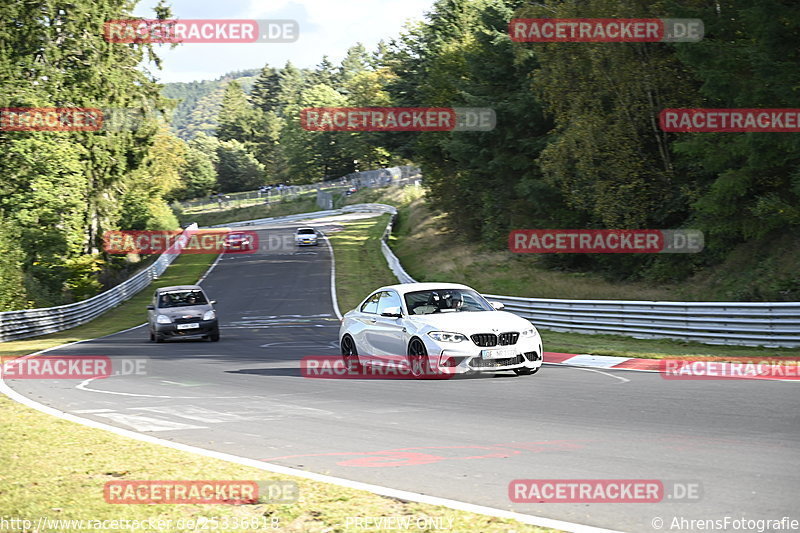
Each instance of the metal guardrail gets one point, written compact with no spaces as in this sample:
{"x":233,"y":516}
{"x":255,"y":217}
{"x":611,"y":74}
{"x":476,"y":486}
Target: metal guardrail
{"x":768,"y":324}
{"x":34,"y":322}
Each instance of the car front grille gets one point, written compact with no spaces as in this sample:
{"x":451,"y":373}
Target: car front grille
{"x":494,"y":363}
{"x":187,"y":320}
{"x":487,"y":340}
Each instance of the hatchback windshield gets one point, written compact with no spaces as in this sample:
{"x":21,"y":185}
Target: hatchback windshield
{"x":306,"y":231}
{"x":182,"y":299}
{"x":445,"y":301}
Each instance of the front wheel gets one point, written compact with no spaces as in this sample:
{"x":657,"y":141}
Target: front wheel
{"x":418,"y":358}
{"x":350,"y":354}
{"x":214,"y":336}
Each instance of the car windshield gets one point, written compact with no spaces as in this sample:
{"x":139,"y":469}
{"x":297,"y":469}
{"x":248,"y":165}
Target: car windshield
{"x":181,"y":299}
{"x":305,"y":231}
{"x":445,"y":301}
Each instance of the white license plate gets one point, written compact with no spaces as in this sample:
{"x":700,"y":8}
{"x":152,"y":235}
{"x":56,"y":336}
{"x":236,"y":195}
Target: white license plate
{"x":188,"y":326}
{"x":501,"y":353}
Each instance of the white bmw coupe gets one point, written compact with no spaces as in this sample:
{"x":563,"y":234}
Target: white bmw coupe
{"x":438,"y":327}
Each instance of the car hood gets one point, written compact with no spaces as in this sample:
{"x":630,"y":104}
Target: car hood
{"x":193,"y":311}
{"x":472,"y":322}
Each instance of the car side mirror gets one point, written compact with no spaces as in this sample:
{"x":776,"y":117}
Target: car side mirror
{"x":150,"y":307}
{"x":212,"y":302}
{"x":498,"y":306}
{"x":393,"y":312}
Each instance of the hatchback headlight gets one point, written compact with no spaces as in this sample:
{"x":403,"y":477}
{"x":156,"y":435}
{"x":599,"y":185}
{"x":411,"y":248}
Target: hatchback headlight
{"x":209,"y":315}
{"x":446,"y":336}
{"x":163,"y":319}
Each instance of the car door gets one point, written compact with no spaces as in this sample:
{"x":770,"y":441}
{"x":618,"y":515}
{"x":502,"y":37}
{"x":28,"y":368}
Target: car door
{"x":366,"y":319}
{"x":387,"y":334}
{"x":152,"y":313}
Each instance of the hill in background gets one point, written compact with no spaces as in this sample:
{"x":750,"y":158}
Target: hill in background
{"x":198,"y":102}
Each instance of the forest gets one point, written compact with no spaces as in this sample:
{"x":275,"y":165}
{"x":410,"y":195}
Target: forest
{"x":576,"y":145}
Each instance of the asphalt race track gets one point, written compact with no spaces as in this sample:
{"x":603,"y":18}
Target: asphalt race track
{"x":463,"y":439}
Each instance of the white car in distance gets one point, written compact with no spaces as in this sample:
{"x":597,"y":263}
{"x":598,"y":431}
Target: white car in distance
{"x":439,"y":327}
{"x":305,"y":237}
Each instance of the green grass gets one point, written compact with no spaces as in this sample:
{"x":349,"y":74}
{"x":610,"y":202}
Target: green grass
{"x":360,"y":265}
{"x":301,"y":204}
{"x":186,"y":269}
{"x":366,"y":269}
{"x":57,"y":469}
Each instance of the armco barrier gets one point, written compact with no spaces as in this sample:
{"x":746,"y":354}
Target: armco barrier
{"x":769,"y":324}
{"x":33,"y":322}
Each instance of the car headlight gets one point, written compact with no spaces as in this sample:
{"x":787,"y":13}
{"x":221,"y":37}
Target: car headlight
{"x":446,"y":336}
{"x":209,"y":315}
{"x":163,"y":319}
{"x":530,"y":332}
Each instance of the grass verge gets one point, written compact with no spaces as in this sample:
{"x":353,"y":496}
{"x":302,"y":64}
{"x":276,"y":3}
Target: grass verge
{"x":360,"y":265}
{"x":363,"y":268}
{"x":55,"y":469}
{"x":301,"y":204}
{"x":186,"y":269}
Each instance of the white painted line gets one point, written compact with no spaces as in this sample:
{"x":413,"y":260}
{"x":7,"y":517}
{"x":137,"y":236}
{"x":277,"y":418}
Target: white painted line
{"x":334,"y":299}
{"x":598,"y":361}
{"x":84,"y":386}
{"x":624,"y":380}
{"x":192,"y":412}
{"x":146,"y":423}
{"x":208,"y":271}
{"x":322,"y":478}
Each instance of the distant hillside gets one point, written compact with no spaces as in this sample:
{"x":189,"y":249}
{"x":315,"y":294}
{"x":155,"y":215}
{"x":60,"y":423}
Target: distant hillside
{"x":199,"y":101}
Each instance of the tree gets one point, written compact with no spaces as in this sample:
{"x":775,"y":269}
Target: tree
{"x":237,"y":169}
{"x":266,"y":90}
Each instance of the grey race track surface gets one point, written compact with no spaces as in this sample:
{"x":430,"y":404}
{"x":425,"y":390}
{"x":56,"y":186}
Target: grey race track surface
{"x":462,"y":439}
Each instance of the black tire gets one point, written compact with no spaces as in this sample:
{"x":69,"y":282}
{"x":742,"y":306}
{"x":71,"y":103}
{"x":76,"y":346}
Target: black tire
{"x":350,"y":353}
{"x":526,"y":371}
{"x":214,"y":336}
{"x":152,"y":337}
{"x":418,"y":359}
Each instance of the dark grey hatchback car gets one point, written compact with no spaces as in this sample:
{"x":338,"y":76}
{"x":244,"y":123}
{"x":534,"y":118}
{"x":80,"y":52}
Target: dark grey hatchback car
{"x":182,"y":311}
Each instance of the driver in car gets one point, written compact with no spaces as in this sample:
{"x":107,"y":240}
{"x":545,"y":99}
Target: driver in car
{"x":450,"y":301}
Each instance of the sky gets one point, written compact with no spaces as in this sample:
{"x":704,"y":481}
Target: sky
{"x":326,"y":27}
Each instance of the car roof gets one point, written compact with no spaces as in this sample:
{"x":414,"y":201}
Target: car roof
{"x":403,"y":288}
{"x":179,"y":288}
